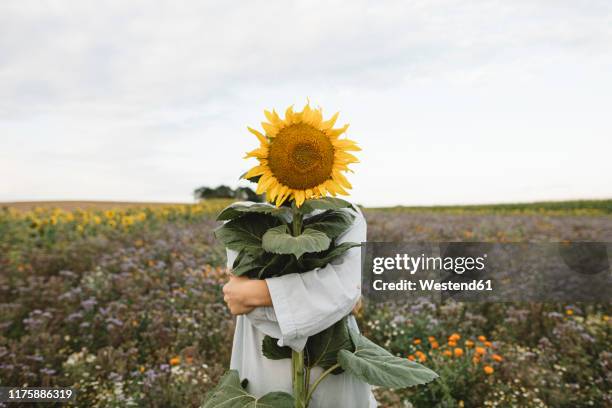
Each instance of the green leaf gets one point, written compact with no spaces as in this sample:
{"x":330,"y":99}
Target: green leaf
{"x":322,"y":348}
{"x":326,"y":203}
{"x":309,"y":262}
{"x":238,"y":210}
{"x":332,"y":222}
{"x":278,"y":240}
{"x":249,"y":261}
{"x":229,"y":393}
{"x":271,"y":349}
{"x":278,"y":265}
{"x":246,"y":231}
{"x":376,"y":366}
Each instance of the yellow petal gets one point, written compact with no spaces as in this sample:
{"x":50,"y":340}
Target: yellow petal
{"x":299,"y":197}
{"x":328,"y":124}
{"x":341,"y":167}
{"x":256,"y":171}
{"x":264,"y":182}
{"x":346,"y":144}
{"x":270,"y":129}
{"x":344,"y":157}
{"x":281,"y":191}
{"x":273,"y":117}
{"x":271,"y":195}
{"x":282,"y":197}
{"x":316,"y":118}
{"x":339,"y":189}
{"x":307,"y":114}
{"x":260,"y":153}
{"x":289,"y":115}
{"x":339,"y":178}
{"x":336,"y":132}
{"x":330,"y":186}
{"x":261,"y":137}
{"x":322,"y":189}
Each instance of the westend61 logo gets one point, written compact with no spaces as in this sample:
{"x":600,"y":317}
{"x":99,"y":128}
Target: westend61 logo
{"x":413,"y":264}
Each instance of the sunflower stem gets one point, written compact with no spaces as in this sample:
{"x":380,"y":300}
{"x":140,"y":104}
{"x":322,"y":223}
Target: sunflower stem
{"x":300,"y":386}
{"x":296,"y":223}
{"x":300,"y":390}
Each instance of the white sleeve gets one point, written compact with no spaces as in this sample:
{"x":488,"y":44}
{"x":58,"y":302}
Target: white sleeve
{"x":307,"y":303}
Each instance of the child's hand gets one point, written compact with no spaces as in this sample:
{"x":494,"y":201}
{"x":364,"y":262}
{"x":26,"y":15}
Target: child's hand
{"x":242,"y":294}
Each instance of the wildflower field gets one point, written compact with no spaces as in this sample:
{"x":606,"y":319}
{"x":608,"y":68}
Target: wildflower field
{"x":125,"y":305}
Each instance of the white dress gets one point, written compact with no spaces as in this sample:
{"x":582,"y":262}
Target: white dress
{"x":303,"y":305}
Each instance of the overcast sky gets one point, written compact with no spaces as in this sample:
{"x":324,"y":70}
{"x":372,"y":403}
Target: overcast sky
{"x":451,"y":101}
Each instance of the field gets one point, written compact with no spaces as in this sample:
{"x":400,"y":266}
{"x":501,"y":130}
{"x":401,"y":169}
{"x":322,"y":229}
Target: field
{"x":124,"y":303}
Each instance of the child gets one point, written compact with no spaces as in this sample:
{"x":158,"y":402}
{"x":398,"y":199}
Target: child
{"x":291,"y":308}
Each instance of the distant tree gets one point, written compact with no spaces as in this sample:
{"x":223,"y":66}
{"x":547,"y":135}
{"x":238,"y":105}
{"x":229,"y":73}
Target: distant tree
{"x":222,"y":191}
{"x":247,"y":194}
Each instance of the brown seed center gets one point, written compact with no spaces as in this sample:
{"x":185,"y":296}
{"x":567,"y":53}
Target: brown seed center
{"x":301,"y":156}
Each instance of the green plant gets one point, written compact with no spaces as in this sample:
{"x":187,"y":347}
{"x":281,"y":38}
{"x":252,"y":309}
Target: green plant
{"x":266,"y":237}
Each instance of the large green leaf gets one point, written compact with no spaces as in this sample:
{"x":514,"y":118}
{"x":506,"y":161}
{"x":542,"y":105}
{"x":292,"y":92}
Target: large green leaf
{"x":250,"y":261}
{"x":278,"y":240}
{"x":375,"y":365}
{"x":229,"y":393}
{"x":238,"y":210}
{"x":278,"y":265}
{"x":256,"y":263}
{"x":332,"y":222}
{"x":259,"y":264}
{"x":270,"y":349}
{"x":322,"y":348}
{"x":326,"y":203}
{"x":318,"y":260}
{"x":245,"y":232}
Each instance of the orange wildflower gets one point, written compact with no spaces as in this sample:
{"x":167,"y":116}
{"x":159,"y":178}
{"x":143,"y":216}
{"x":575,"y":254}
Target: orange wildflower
{"x":431,"y":339}
{"x":434,"y":345}
{"x":422,"y":357}
{"x":175,"y":361}
{"x":488,"y":344}
{"x":488,"y":370}
{"x":469,"y":343}
{"x":481,"y":350}
{"x":416,"y":341}
{"x":458,"y":352}
{"x":448,"y":353}
{"x":452,"y":343}
{"x":497,"y":358}
{"x":482,"y":338}
{"x":411,"y":357}
{"x":475,"y":360}
{"x":454,"y":337}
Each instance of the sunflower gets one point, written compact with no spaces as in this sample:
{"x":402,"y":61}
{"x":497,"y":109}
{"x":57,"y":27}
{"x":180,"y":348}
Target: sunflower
{"x":301,"y":156}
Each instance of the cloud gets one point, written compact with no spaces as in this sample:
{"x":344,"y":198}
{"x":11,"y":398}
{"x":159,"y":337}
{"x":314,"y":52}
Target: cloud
{"x":133,"y":100}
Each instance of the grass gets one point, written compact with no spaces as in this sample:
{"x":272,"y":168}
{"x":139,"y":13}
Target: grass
{"x":575,"y":207}
{"x":69,"y":205}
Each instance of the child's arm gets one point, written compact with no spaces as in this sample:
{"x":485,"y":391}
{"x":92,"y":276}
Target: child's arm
{"x":242,"y":294}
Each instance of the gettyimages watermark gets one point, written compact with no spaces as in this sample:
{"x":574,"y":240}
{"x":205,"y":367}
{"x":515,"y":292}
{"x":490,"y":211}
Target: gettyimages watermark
{"x":487,"y":272}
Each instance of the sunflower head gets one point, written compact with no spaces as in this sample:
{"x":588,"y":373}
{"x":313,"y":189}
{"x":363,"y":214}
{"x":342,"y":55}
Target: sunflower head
{"x":301,"y":156}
